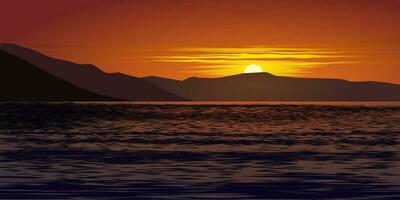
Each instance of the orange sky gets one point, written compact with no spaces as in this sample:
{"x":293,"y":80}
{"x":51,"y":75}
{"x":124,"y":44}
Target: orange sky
{"x":349,"y":39}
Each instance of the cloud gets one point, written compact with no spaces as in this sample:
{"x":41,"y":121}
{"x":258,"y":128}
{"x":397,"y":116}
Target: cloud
{"x":276,"y":60}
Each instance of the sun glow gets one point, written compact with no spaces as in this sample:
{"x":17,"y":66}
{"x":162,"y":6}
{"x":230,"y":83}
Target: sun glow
{"x":253,"y":68}
{"x":281,"y":61}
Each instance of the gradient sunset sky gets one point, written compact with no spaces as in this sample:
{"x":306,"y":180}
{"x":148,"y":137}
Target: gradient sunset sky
{"x":356,"y":40}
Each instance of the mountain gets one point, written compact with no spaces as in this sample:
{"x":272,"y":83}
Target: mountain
{"x":116,"y":85}
{"x":267,"y":87}
{"x":22,"y":81}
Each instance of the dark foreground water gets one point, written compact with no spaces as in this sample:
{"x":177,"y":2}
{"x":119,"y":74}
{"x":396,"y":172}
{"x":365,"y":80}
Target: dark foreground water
{"x":126,"y":151}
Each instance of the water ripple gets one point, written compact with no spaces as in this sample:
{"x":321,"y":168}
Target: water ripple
{"x":127,"y":151}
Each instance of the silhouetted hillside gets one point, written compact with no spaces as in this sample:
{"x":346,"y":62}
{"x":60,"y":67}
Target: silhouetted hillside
{"x":267,"y":87}
{"x":21,"y":81}
{"x":89,"y":77}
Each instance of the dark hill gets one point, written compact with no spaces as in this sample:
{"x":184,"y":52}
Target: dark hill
{"x":21,"y":81}
{"x":89,"y":77}
{"x":267,"y":87}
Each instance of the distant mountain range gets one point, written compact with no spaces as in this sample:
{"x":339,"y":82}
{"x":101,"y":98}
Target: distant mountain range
{"x":267,"y":87}
{"x":89,"y":77}
{"x":28,"y":75}
{"x":22,"y":81}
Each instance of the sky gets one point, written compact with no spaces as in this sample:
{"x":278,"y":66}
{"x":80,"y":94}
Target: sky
{"x":357,"y":40}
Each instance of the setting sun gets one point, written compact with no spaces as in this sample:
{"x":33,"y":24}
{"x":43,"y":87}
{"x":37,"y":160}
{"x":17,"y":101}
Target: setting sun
{"x":253,"y":68}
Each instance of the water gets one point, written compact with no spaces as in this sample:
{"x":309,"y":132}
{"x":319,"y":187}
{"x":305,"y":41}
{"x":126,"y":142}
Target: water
{"x":192,"y":151}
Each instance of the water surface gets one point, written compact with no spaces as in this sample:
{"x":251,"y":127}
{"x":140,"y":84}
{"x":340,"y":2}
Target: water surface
{"x":314,"y":150}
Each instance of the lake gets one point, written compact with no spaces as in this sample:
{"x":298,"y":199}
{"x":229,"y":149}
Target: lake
{"x":214,"y":150}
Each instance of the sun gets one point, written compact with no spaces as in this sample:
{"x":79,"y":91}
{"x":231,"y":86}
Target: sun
{"x":253,"y":68}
